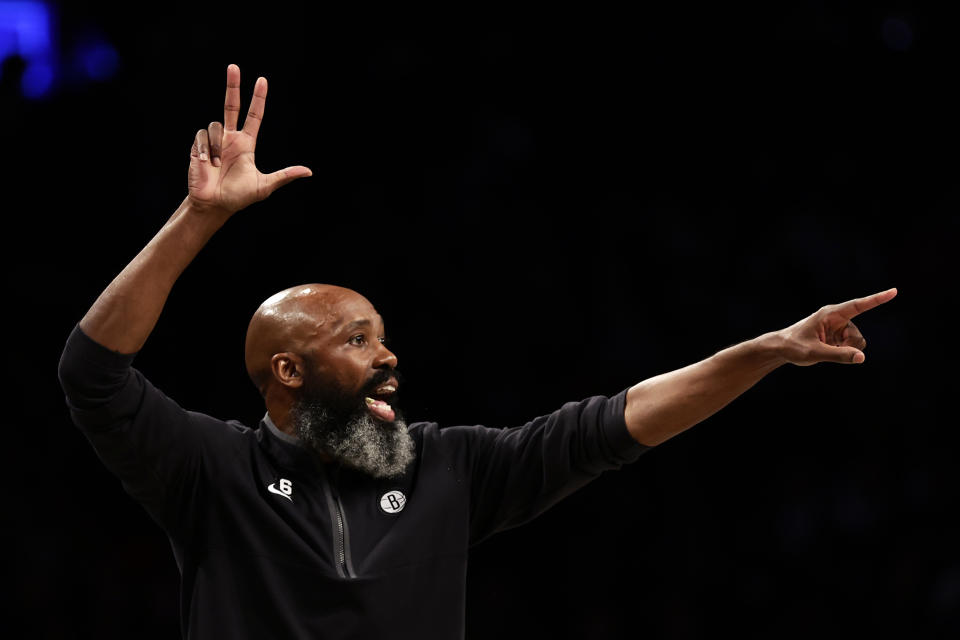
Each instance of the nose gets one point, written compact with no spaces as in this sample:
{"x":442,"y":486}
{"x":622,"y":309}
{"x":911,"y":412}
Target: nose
{"x":385,"y":358}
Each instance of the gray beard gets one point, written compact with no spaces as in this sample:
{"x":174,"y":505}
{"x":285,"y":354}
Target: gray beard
{"x":380,"y":449}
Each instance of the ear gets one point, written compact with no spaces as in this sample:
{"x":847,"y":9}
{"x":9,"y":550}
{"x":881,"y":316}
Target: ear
{"x":287,"y":369}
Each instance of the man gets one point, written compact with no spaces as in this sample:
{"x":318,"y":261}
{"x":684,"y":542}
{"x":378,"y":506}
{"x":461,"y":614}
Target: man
{"x":334,"y":518}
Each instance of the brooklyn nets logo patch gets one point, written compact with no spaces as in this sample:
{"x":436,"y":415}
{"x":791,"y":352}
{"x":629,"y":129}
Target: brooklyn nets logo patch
{"x":392,"y":502}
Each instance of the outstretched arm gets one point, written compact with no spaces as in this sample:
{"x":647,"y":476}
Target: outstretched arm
{"x":222,"y":179}
{"x":663,"y":406}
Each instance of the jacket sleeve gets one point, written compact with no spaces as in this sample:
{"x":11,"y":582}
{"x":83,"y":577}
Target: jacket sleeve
{"x":156,"y":448}
{"x":518,"y":473}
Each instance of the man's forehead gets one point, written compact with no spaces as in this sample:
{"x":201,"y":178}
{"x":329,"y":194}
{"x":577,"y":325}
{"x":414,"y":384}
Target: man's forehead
{"x":334,"y":307}
{"x":352,"y":315}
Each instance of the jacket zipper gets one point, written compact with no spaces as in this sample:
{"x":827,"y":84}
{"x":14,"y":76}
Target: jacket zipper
{"x":340,"y":528}
{"x":341,"y":542}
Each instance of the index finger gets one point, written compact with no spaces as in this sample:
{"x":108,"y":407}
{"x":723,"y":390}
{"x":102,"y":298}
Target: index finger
{"x":231,"y":104}
{"x":251,"y":124}
{"x":857,"y":306}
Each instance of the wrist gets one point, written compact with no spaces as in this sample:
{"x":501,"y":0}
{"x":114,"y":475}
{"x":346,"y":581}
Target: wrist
{"x":771,"y":348}
{"x":205,"y":212}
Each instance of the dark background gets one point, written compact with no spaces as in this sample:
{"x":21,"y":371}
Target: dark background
{"x":543,"y":207}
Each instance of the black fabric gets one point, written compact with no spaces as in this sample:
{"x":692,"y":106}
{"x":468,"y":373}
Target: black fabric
{"x":258,"y":563}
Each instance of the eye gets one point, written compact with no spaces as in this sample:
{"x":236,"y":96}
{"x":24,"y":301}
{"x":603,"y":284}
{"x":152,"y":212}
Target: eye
{"x":358,"y":340}
{"x":382,"y":340}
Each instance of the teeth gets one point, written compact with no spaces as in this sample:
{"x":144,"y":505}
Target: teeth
{"x":387,"y":388}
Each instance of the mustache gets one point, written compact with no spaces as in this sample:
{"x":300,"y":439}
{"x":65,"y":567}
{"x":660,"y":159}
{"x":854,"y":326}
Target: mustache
{"x":381,"y":376}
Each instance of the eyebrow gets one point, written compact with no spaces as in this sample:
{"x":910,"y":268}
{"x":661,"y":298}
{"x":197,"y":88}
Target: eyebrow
{"x":356,"y":324}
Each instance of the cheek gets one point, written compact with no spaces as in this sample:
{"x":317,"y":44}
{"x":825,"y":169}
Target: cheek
{"x":344,"y":373}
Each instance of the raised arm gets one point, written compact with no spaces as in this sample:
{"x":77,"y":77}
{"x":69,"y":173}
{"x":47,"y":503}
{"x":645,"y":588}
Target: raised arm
{"x":222,"y":179}
{"x":663,"y":406}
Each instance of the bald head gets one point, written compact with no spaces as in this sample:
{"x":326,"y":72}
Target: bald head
{"x":288,"y":320}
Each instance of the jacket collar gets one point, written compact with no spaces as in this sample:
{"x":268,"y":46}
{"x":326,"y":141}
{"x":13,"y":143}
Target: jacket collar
{"x":287,"y":450}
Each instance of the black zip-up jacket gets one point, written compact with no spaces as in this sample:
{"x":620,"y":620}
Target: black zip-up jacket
{"x":272,"y":544}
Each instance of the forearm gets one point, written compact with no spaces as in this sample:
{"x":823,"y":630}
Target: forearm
{"x":663,"y":406}
{"x":123,"y":316}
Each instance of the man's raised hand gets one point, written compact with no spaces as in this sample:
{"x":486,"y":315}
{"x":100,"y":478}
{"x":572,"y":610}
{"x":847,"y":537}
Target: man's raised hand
{"x":829,"y":335}
{"x":223,"y":175}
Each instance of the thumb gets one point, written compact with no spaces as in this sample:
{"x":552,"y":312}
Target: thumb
{"x":275,"y":180}
{"x":843,"y":355}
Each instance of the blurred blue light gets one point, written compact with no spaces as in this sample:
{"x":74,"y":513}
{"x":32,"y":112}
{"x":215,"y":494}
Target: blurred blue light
{"x":26,"y":31}
{"x":8,"y":41}
{"x":100,"y":60}
{"x":37,"y":79}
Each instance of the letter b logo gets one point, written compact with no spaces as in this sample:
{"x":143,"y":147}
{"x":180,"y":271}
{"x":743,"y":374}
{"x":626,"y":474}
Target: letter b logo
{"x":393,"y":502}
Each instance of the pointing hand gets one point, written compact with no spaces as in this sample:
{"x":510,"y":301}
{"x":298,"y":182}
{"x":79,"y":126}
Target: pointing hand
{"x":829,"y":335}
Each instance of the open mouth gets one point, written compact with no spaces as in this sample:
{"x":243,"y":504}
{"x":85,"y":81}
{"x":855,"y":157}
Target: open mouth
{"x":377,"y":401}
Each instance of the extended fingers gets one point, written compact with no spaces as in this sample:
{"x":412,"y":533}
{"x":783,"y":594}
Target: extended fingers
{"x":231,"y":104}
{"x":251,"y":124}
{"x":277,"y":179}
{"x":852,"y":308}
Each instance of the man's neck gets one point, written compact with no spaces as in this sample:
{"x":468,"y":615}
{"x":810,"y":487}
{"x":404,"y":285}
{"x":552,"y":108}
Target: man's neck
{"x":283,"y":421}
